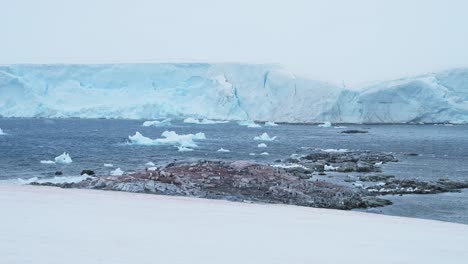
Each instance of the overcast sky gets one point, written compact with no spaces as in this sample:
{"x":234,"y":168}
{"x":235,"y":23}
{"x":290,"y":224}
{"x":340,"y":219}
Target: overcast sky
{"x":351,"y":41}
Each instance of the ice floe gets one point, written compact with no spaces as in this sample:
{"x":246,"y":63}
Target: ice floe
{"x":108,"y":165}
{"x":167,"y":138}
{"x":164,"y":122}
{"x":2,"y":133}
{"x":117,"y":172}
{"x":262,"y":145}
{"x":265,"y":137}
{"x":265,"y":153}
{"x":184,"y":149}
{"x":223,"y":150}
{"x":64,"y":158}
{"x":334,"y":150}
{"x":249,"y":123}
{"x":325,"y":124}
{"x":271,"y":124}
{"x":149,"y":163}
{"x":203,"y":121}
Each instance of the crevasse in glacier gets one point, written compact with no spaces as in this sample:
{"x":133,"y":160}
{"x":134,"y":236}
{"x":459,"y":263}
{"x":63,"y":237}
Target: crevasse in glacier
{"x":260,"y":92}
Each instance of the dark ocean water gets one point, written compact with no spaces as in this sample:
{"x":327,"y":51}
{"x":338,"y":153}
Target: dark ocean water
{"x":443,"y":151}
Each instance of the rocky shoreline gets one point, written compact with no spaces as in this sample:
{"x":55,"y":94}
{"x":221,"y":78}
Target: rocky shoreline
{"x":298,"y":180}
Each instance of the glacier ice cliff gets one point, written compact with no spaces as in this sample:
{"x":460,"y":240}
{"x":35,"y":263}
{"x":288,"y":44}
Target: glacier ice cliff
{"x":260,"y":92}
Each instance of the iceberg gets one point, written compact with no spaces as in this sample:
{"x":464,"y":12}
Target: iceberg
{"x":47,"y":162}
{"x":184,"y":149}
{"x":249,"y":123}
{"x":223,"y":150}
{"x":151,"y":164}
{"x":2,"y":133}
{"x":265,"y":153}
{"x":164,"y":122}
{"x":63,"y":159}
{"x":326,"y":124}
{"x":203,"y":121}
{"x":108,"y":165}
{"x":167,"y":138}
{"x":262,"y":145}
{"x":264,"y":137}
{"x":117,"y":172}
{"x":269,"y":123}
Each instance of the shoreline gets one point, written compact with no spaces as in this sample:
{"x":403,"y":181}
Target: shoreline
{"x":76,"y":226}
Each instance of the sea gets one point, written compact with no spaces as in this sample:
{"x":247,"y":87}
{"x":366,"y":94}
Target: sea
{"x":425,"y":152}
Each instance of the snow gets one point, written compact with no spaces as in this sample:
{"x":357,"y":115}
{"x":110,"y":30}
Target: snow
{"x":149,"y":164}
{"x":249,"y":123}
{"x":167,"y":138}
{"x":271,"y":124}
{"x":203,"y":121}
{"x":326,"y":124}
{"x":223,"y":150}
{"x":108,"y":165}
{"x":2,"y":133}
{"x":265,"y":137}
{"x":262,"y":145}
{"x":156,"y":123}
{"x":76,"y":226}
{"x":117,"y":172}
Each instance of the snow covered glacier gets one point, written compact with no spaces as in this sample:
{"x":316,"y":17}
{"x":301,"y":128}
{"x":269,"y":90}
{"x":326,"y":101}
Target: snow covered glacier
{"x":223,"y":91}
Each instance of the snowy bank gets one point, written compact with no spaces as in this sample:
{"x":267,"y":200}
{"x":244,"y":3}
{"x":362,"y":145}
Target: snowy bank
{"x":72,"y":226}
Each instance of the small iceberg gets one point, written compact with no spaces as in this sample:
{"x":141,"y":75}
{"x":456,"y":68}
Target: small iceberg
{"x":326,"y":124}
{"x":249,"y":123}
{"x":149,"y":164}
{"x":223,"y":150}
{"x":265,"y":153}
{"x":156,"y":123}
{"x":252,"y":154}
{"x":117,"y":172}
{"x":271,"y":124}
{"x":2,"y":133}
{"x":184,"y":149}
{"x":61,"y":159}
{"x":264,"y":137}
{"x":335,"y":150}
{"x":108,"y":165}
{"x":203,"y":121}
{"x":168,"y":138}
{"x":262,"y":145}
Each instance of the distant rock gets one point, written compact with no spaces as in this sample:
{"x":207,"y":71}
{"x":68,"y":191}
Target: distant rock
{"x":354,"y":131}
{"x":88,"y":172}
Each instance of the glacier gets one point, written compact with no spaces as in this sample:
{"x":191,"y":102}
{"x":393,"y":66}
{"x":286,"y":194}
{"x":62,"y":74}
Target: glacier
{"x":249,"y":92}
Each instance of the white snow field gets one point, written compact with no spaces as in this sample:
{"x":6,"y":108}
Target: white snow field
{"x":44,"y":225}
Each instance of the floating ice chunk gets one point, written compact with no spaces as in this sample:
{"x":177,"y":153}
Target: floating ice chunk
{"x":326,"y":124}
{"x":184,"y":149}
{"x":108,"y":165}
{"x":340,"y":127}
{"x":269,"y":123}
{"x":47,"y":162}
{"x":264,"y":153}
{"x":117,"y":172}
{"x":149,"y":163}
{"x":2,"y":133}
{"x":203,"y":121}
{"x":329,"y":168}
{"x":378,"y":163}
{"x":248,"y":123}
{"x":290,"y":165}
{"x":262,"y":145}
{"x":63,"y":159}
{"x":334,"y":150}
{"x":157,"y":123}
{"x":264,"y":137}
{"x":252,"y":154}
{"x":223,"y":150}
{"x":168,"y":138}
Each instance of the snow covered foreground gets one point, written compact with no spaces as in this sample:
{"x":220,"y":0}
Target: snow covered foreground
{"x":52,"y":225}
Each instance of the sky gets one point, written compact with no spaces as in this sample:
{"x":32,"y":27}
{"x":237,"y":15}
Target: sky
{"x":341,"y":41}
